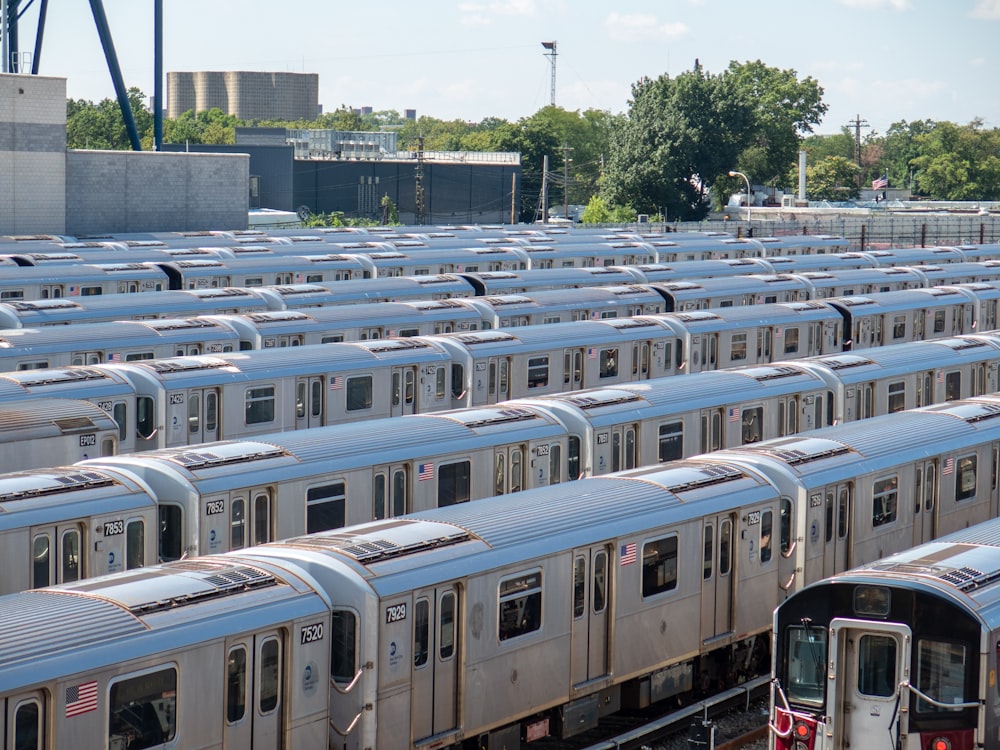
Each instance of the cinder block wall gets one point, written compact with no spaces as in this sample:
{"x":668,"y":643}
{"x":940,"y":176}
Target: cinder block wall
{"x":32,"y":154}
{"x":124,"y":191}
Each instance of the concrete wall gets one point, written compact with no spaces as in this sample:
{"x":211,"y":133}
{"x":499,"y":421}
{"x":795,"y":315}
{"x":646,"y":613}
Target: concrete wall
{"x":124,"y":191}
{"x":32,"y":154}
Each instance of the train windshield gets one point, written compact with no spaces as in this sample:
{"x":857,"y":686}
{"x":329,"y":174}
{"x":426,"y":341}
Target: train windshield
{"x":941,"y":669}
{"x":806,"y":650}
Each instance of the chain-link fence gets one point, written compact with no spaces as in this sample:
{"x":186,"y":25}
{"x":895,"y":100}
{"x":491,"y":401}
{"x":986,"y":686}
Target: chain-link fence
{"x":868,"y":231}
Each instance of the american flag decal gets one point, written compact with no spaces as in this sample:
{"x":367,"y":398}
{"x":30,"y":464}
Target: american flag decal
{"x":336,"y":382}
{"x":627,"y":554}
{"x":949,"y":466}
{"x":940,"y":376}
{"x":116,"y":357}
{"x":734,"y":414}
{"x":81,"y":698}
{"x":425,"y":471}
{"x":591,"y":353}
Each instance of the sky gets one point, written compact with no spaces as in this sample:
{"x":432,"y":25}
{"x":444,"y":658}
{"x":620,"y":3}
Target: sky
{"x":880,"y":61}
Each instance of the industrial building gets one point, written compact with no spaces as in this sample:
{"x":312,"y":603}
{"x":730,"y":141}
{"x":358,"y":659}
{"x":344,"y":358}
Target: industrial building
{"x":247,"y":95}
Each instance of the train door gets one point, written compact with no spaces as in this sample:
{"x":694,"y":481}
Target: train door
{"x":250,"y":518}
{"x":837,"y":528}
{"x":509,"y":469}
{"x":23,"y":721}
{"x":57,"y":554}
{"x":624,"y":446}
{"x":404,"y":390}
{"x":765,"y":342}
{"x":255,"y":690}
{"x":717,"y":576}
{"x":642,"y":356}
{"x":710,"y":351}
{"x":391,"y":491}
{"x":712,"y":437}
{"x":371,"y":333}
{"x":925,"y":501}
{"x":573,"y":369}
{"x":202,"y":415}
{"x":591,"y":632}
{"x":868,"y":662}
{"x":53,"y":291}
{"x":499,"y":379}
{"x":435,"y":692}
{"x":309,"y":409}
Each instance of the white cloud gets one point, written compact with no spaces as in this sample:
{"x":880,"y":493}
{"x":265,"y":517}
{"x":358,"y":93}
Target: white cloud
{"x":987,"y":9}
{"x":900,"y":5}
{"x":643,"y":26}
{"x":484,"y":14}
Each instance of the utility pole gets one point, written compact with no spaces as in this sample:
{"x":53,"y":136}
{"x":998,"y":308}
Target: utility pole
{"x":566,"y":149}
{"x":858,"y":123}
{"x":544,"y":198}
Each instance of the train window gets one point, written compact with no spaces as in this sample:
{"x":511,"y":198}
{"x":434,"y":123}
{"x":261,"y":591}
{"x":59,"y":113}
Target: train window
{"x":897,"y":397}
{"x":549,"y":319}
{"x":725,"y":547}
{"x":378,"y":496}
{"x":253,"y":281}
{"x":806,"y":676}
{"x":138,"y":356}
{"x":738,"y":347}
{"x":940,"y":674}
{"x":41,"y":549}
{"x":440,"y":384}
{"x":516,"y":470}
{"x":300,"y":399}
{"x":457,"y":381}
{"x":842,"y":513}
{"x":27,"y":726}
{"x":751,"y":421}
{"x":142,"y":709}
{"x":90,"y":291}
{"x":952,"y":386}
{"x":454,"y":483}
{"x":405,"y":333}
{"x":236,"y":684}
{"x":119,"y":413}
{"x":397,"y":388}
{"x":579,"y":585}
{"x":965,"y":477}
{"x":38,"y":364}
{"x":446,"y":626}
{"x":616,"y":451}
{"x":135,"y":544}
{"x":326,"y":507}
{"x":70,"y":558}
{"x":791,"y":340}
{"x":7,"y":294}
{"x":171,"y":533}
{"x":829,"y":516}
{"x":939,"y":321}
{"x":555,"y":463}
{"x":600,"y":597}
{"x":334,"y":339}
{"x":877,"y":666}
{"x":538,"y":372}
{"x":884,"y":498}
{"x":630,"y":461}
{"x":609,"y":363}
{"x":573,"y":457}
{"x":421,"y":632}
{"x":520,"y":605}
{"x":270,"y":675}
{"x":261,"y":518}
{"x":259,"y":405}
{"x":670,"y":439}
{"x":500,"y":474}
{"x":659,"y":566}
{"x":359,"y":393}
{"x":314,"y":278}
{"x":409,"y":388}
{"x":899,"y":327}
{"x":315,"y":403}
{"x":238,"y":523}
{"x":709,"y":556}
{"x":399,"y":492}
{"x":766,"y":522}
{"x":194,"y":413}
{"x":785,"y":514}
{"x":343,"y":646}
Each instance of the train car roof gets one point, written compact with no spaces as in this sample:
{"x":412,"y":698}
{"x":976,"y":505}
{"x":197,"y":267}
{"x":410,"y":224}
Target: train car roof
{"x":555,"y":336}
{"x":78,"y":381}
{"x":108,"y":620}
{"x":28,"y":419}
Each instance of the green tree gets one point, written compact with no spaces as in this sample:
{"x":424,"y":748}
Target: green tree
{"x":959,"y":162}
{"x":833,"y":178}
{"x":102,"y":125}
{"x":598,"y":211}
{"x":900,"y":147}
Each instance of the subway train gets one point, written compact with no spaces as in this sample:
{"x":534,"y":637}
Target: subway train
{"x":281,"y":484}
{"x":495,"y":623}
{"x":901,"y":651}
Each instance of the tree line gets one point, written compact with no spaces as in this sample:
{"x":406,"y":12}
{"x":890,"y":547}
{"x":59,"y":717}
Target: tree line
{"x":669,"y":154}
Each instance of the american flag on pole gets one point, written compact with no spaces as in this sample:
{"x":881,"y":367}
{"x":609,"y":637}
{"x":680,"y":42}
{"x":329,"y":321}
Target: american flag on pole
{"x":336,"y":382}
{"x":949,"y":466}
{"x":627,"y":554}
{"x":734,"y":414}
{"x":81,"y":698}
{"x":881,"y":183}
{"x":425,"y":471}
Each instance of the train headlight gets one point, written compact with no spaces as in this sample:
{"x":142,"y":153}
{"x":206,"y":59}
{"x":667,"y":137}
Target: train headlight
{"x":940,"y":743}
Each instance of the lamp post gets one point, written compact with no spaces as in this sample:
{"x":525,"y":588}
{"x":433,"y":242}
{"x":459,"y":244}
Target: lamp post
{"x":749,"y":198}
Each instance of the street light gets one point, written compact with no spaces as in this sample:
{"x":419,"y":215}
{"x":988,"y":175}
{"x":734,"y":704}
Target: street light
{"x":747,"y":180}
